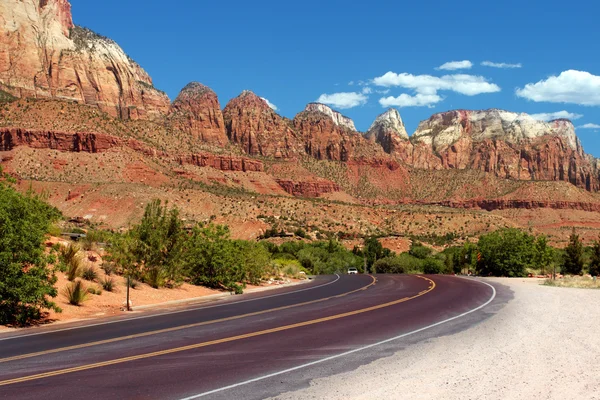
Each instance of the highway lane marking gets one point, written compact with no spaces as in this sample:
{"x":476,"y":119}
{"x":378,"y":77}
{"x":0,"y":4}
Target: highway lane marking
{"x":347,"y":353}
{"x":170,"y":313}
{"x":212,"y":342}
{"x":181,"y":327}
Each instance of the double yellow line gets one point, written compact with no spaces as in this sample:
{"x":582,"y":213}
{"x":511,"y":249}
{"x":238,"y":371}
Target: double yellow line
{"x":205,"y":344}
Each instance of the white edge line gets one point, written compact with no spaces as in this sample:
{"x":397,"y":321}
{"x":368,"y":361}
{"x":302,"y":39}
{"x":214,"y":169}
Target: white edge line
{"x":168,"y":313}
{"x":310,"y":364}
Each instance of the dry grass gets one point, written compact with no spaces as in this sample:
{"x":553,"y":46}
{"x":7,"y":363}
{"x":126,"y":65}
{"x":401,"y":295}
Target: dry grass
{"x":584,"y":282}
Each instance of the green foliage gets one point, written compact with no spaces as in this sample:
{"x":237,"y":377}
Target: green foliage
{"x":300,"y":233}
{"x":108,"y":284}
{"x":507,"y":252}
{"x":89,"y":274}
{"x":543,"y":255}
{"x":76,"y":293}
{"x":419,"y":251}
{"x":432,"y":266}
{"x":372,"y":250}
{"x":573,"y":257}
{"x":389,"y":265}
{"x":26,"y":282}
{"x":594,"y":267}
{"x":6,"y":97}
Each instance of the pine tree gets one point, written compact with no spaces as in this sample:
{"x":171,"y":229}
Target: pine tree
{"x":573,"y":259}
{"x":594,"y":268}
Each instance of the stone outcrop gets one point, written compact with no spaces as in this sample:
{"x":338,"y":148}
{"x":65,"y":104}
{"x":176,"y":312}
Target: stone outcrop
{"x":502,"y":204}
{"x":10,"y":138}
{"x":223,"y":163}
{"x":44,"y":55}
{"x":197,"y":111}
{"x":325,"y":138}
{"x":308,"y":188}
{"x":259,"y":130}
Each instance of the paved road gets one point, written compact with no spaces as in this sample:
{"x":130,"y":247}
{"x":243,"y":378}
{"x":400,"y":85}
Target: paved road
{"x":246,"y":347}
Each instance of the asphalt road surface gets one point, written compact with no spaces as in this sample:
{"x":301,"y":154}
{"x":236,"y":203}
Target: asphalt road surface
{"x":246,"y":347}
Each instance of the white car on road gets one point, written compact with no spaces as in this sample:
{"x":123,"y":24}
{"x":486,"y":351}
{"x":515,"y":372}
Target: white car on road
{"x":352,"y":271}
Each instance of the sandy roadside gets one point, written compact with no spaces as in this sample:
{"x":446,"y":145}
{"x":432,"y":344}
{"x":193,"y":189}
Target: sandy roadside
{"x":544,"y":344}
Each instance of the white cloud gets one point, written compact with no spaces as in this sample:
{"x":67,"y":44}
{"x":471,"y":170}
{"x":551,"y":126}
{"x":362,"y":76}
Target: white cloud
{"x":577,"y":87}
{"x":501,"y":65}
{"x":589,"y":126}
{"x":556,"y":115}
{"x":454,"y":65}
{"x":273,"y":106}
{"x":405,"y":100}
{"x":469,"y":85}
{"x":351,"y":83}
{"x":386,"y":91}
{"x":343,"y":100}
{"x":367,"y":90}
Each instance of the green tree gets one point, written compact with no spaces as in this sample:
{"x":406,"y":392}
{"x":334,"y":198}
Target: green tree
{"x":506,"y":252}
{"x":213,"y":260}
{"x":389,"y":265}
{"x":544,"y":254}
{"x":418,"y":250}
{"x":26,"y":282}
{"x":594,"y":268}
{"x":156,"y":245}
{"x":573,"y":257}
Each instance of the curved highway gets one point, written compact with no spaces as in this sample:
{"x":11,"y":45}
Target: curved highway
{"x":250,"y":346}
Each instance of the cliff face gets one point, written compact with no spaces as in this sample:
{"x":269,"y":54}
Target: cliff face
{"x":327,"y":135}
{"x":252,"y":124}
{"x":197,"y":111}
{"x":388,"y":131}
{"x":507,"y":144}
{"x":308,"y":188}
{"x":44,"y":55}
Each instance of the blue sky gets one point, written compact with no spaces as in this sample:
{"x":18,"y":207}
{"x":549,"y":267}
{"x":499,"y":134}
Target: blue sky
{"x":292,"y":53}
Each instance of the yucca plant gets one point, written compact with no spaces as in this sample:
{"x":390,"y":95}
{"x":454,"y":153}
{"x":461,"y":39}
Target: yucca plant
{"x":70,"y":256}
{"x":76,"y":293}
{"x":90,"y":274}
{"x":108,"y":284}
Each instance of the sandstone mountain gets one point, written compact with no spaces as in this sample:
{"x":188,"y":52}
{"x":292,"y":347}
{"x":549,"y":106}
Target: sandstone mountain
{"x":44,"y":55}
{"x":197,"y":111}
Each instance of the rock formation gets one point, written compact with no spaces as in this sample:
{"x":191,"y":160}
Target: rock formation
{"x":327,"y":135}
{"x":388,"y":130}
{"x":197,"y":111}
{"x":259,"y":130}
{"x":44,"y":55}
{"x":506,"y":144}
{"x":308,"y":188}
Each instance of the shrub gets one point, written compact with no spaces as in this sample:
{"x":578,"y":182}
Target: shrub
{"x":506,"y":252}
{"x":26,"y":282}
{"x":108,"y":268}
{"x":419,"y":251}
{"x":71,"y":258}
{"x":76,"y":293}
{"x":594,"y":268}
{"x":108,"y":284}
{"x":573,"y":256}
{"x":90,"y":274}
{"x":432,"y":266}
{"x":389,"y":265}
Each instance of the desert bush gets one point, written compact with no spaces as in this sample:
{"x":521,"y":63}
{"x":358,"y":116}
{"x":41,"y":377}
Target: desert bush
{"x":389,"y":265}
{"x":419,"y":251}
{"x":71,"y":258}
{"x":89,"y":273}
{"x":108,"y":268}
{"x":76,"y":293}
{"x":432,"y":266}
{"x":108,"y":284}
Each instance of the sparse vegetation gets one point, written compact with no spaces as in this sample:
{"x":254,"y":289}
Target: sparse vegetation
{"x":76,"y":293}
{"x":108,"y":284}
{"x":89,"y":274}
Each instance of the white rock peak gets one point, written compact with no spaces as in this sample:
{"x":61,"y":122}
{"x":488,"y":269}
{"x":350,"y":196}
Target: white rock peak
{"x":444,"y":129}
{"x":337,"y":117}
{"x":390,"y":120}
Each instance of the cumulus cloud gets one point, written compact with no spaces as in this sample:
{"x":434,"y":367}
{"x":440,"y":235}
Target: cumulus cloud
{"x":454,"y":65}
{"x":405,"y":100}
{"x":589,"y":126}
{"x":427,"y":86}
{"x":501,"y":65}
{"x":367,"y":90}
{"x":273,"y":106}
{"x":556,"y":115}
{"x":577,"y":87}
{"x":343,"y":100}
{"x":469,"y":85}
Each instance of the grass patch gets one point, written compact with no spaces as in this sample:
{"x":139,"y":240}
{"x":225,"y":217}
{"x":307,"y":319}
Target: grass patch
{"x":108,"y":284}
{"x":583,"y":282}
{"x":90,"y":274}
{"x":76,"y":293}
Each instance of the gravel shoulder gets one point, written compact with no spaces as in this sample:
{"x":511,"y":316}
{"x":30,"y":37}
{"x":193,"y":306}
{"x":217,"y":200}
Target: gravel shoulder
{"x":543,"y":344}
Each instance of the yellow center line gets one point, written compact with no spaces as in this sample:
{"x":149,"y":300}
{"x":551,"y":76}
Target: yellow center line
{"x":177,"y":328}
{"x":212,"y":342}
